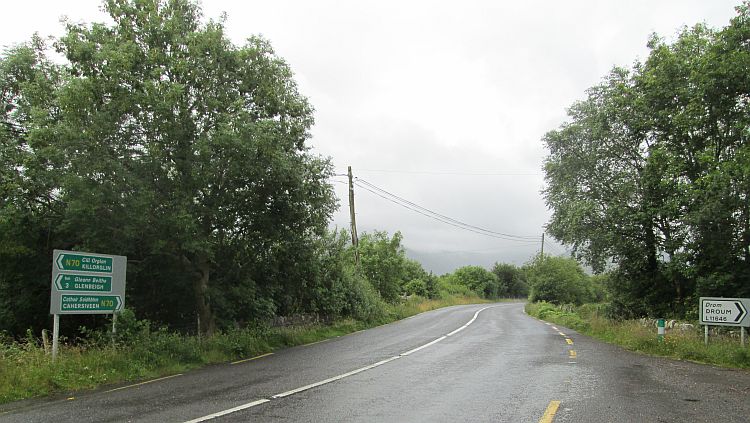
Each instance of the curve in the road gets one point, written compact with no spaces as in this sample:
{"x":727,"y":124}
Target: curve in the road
{"x":337,"y":377}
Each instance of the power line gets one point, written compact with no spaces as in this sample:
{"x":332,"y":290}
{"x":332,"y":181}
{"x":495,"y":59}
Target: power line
{"x":371,"y":185}
{"x":438,"y":219}
{"x":450,"y":173}
{"x":367,"y":186}
{"x":556,"y":250}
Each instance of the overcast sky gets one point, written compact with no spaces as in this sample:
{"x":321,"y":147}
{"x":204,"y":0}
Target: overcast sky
{"x":441,"y":103}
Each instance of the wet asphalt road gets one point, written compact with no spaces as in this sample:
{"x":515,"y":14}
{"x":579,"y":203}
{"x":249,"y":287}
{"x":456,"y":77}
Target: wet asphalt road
{"x":502,"y":367}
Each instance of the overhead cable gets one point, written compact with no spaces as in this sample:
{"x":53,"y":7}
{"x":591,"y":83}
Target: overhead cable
{"x":451,"y":173}
{"x":367,"y":186}
{"x":521,"y":237}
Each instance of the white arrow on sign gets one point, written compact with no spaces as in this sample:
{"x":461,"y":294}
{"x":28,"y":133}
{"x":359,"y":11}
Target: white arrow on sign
{"x":58,"y":285}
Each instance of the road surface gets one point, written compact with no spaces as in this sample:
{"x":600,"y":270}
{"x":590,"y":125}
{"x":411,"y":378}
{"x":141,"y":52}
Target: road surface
{"x":476,"y":363}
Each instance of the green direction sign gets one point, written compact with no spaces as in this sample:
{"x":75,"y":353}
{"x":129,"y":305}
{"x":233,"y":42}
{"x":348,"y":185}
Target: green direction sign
{"x":84,"y":263}
{"x":90,"y":303}
{"x":88,"y":283}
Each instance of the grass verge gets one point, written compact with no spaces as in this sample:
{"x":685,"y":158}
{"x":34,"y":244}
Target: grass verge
{"x":26,"y":369}
{"x":722,"y":350}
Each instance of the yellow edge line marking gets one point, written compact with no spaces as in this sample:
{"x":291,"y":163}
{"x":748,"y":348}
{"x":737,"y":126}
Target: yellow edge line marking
{"x":569,"y":341}
{"x":573,"y":354}
{"x":317,"y":342}
{"x":549,"y":413}
{"x":139,"y":384}
{"x":72,"y":398}
{"x":251,"y":358}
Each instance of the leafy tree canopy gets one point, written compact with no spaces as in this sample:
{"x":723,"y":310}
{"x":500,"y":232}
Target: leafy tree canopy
{"x":651,"y":175}
{"x":161,"y":140}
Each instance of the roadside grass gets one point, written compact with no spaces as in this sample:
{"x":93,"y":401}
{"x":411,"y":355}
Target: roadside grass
{"x":722,"y":350}
{"x":141,"y":352}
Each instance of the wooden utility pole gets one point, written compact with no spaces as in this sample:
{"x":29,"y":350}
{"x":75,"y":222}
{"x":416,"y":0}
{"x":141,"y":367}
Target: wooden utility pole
{"x":542,"y":254}
{"x":352,"y":215}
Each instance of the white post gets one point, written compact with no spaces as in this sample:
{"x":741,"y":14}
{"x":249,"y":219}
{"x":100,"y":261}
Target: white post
{"x":742,"y":336}
{"x":114,"y":327}
{"x":55,"y":336}
{"x":705,"y":335}
{"x":660,"y":330}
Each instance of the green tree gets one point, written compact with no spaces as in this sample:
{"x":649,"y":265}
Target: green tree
{"x":384,"y":263}
{"x":161,"y":140}
{"x":511,"y":280}
{"x":652,"y":174}
{"x":557,"y":280}
{"x":477,"y":279}
{"x":30,"y":172}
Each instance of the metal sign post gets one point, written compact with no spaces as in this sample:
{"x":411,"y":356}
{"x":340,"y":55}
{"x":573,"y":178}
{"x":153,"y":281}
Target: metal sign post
{"x":725,"y":312}
{"x":55,"y":336}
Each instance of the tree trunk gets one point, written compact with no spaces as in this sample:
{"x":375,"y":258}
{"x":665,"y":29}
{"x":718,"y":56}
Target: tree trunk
{"x":652,"y":263}
{"x":200,"y":289}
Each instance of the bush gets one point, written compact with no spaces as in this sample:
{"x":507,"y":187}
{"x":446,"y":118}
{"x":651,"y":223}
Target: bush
{"x":478,"y":280}
{"x":447,"y":287}
{"x":557,"y":280}
{"x":511,"y":281}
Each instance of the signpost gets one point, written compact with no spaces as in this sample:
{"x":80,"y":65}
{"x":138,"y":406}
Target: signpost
{"x":725,"y":312}
{"x":85,"y":283}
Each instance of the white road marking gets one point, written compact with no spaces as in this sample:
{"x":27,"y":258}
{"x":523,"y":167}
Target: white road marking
{"x":229,"y":411}
{"x":423,"y":346}
{"x":142,"y":383}
{"x":457,"y":330}
{"x":335,"y":378}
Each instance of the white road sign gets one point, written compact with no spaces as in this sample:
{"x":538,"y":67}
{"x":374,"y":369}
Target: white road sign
{"x":725,"y":311}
